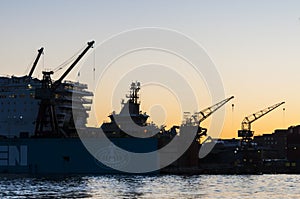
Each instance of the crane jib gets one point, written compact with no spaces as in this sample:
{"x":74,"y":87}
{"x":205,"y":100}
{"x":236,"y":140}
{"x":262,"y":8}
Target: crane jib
{"x":245,"y":131}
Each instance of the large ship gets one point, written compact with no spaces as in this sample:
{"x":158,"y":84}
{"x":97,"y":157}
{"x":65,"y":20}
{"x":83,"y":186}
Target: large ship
{"x":40,"y":119}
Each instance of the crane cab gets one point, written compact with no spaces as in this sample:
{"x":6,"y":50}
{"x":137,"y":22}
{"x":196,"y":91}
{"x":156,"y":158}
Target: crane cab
{"x":245,"y":133}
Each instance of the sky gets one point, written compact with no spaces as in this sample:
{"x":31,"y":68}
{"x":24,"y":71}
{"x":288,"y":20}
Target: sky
{"x":254,"y":46}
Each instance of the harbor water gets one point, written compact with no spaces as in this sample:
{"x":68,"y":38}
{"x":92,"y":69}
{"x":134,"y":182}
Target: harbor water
{"x":159,"y":186}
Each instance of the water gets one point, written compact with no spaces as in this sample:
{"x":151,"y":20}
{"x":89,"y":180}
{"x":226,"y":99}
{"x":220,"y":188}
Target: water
{"x":162,"y":186}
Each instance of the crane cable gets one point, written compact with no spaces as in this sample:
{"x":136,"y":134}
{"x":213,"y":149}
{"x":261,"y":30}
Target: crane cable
{"x":43,"y":59}
{"x":232,"y":119}
{"x":29,"y":66}
{"x":68,"y":61}
{"x":94,"y":65}
{"x":283,"y":109}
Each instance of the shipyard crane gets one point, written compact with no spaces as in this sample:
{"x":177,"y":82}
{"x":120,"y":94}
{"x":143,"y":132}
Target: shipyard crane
{"x":40,"y":52}
{"x":46,"y":95}
{"x":205,"y":113}
{"x":246,"y":133}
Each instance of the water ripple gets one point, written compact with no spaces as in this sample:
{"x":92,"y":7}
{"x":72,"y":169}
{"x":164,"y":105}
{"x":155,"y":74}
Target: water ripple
{"x":161,"y":186}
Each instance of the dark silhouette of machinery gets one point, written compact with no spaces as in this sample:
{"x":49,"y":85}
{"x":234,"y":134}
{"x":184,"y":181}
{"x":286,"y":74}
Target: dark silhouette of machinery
{"x":246,"y":133}
{"x":40,"y":52}
{"x":200,"y":116}
{"x":46,"y":93}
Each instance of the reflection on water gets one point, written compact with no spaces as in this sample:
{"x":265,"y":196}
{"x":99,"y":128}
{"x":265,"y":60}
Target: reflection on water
{"x":162,"y":186}
{"x":29,"y":187}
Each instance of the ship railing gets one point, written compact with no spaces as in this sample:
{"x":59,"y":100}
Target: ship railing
{"x":77,"y":84}
{"x":81,"y":92}
{"x":77,"y":100}
{"x":87,"y":101}
{"x":86,"y":108}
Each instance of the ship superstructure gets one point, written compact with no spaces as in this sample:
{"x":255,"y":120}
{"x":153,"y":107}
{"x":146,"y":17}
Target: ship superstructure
{"x":130,"y":119}
{"x":19,"y":107}
{"x":23,"y":100}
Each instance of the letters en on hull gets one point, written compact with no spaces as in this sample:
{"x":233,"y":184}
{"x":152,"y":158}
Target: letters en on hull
{"x":13,"y":155}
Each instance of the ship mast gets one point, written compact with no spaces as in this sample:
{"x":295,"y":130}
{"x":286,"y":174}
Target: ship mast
{"x":134,"y":92}
{"x":133,"y":102}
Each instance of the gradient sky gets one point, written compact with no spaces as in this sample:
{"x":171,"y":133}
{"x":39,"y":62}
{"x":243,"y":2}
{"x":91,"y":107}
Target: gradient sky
{"x":255,"y":45}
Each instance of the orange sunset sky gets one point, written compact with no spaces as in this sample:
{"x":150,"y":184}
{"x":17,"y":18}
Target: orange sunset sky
{"x":254,"y":46}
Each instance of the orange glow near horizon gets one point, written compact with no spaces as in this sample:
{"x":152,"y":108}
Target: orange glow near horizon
{"x":167,"y":112}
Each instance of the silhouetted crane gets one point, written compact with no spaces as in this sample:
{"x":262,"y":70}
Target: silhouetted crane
{"x":205,"y":113}
{"x":246,"y":133}
{"x":40,"y":52}
{"x":46,"y":95}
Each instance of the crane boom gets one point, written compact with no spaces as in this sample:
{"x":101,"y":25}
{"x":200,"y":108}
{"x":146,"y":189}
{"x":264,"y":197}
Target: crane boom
{"x":40,"y":51}
{"x":46,"y":95}
{"x":246,"y":132}
{"x":58,"y":82}
{"x":205,"y":113}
